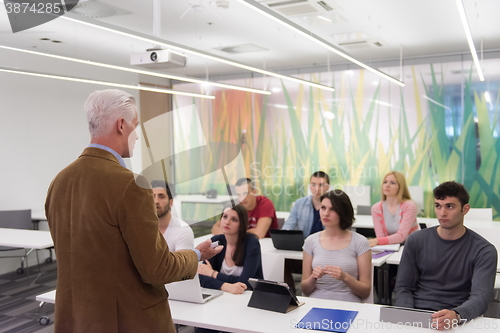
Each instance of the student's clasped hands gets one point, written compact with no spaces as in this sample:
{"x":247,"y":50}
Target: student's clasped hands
{"x":333,"y":271}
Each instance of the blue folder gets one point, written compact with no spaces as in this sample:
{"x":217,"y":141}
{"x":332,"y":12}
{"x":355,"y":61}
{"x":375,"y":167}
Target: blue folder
{"x":330,"y":320}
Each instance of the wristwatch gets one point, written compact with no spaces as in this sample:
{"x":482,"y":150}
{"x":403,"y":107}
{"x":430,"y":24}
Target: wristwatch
{"x":459,"y":317}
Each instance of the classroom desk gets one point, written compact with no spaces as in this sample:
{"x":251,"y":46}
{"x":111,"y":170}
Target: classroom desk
{"x":30,"y":240}
{"x":230,"y":313}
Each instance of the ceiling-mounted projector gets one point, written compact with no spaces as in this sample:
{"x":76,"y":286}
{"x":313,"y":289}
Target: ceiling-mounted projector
{"x":158,"y":59}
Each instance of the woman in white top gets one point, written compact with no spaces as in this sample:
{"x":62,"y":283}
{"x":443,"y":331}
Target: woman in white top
{"x":336,"y":261}
{"x":239,"y":260}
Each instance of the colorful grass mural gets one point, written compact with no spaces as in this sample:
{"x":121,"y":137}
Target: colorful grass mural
{"x":360,"y":132}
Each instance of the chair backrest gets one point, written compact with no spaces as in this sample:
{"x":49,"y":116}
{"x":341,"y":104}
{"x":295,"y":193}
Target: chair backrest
{"x":16,"y":219}
{"x":417,"y":195}
{"x":364,"y":210}
{"x":479,"y":214}
{"x":360,"y":195}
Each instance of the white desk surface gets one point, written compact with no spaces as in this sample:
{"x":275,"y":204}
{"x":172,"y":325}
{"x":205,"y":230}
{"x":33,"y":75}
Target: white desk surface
{"x":28,"y":239}
{"x":48,"y":297}
{"x":282,"y":215}
{"x":38,"y":214}
{"x":198,"y":198}
{"x":230,"y":313}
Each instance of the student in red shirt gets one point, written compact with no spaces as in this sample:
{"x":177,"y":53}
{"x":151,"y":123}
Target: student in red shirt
{"x":261,"y":212}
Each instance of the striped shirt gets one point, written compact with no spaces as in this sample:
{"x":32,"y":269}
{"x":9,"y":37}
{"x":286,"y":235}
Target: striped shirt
{"x":347,"y":259}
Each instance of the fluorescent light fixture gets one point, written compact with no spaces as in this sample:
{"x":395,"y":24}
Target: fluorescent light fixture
{"x":276,"y":90}
{"x":138,"y":71}
{"x":158,"y":41}
{"x":309,"y":35}
{"x":104,"y":83}
{"x":487,"y":96}
{"x":381,"y":102}
{"x":437,"y":103}
{"x":463,"y":17}
{"x":328,"y":115}
{"x":324,"y":18}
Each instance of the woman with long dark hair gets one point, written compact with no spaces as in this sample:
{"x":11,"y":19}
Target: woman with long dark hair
{"x":239,"y":260}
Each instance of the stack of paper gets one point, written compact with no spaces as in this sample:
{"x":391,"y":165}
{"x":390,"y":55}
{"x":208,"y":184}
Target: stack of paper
{"x":388,"y":247}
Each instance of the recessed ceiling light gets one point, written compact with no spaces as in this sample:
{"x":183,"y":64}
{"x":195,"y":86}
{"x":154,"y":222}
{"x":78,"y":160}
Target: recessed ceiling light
{"x":276,"y":90}
{"x":44,"y":38}
{"x":56,"y":41}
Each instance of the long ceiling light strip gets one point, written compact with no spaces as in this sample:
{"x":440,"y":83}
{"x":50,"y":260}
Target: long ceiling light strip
{"x":104,"y":83}
{"x":465,"y":23}
{"x":138,"y":71}
{"x":298,"y":29}
{"x":158,"y":41}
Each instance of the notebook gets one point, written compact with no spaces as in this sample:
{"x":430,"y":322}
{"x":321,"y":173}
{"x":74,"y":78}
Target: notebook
{"x":330,"y":320}
{"x":191,"y":291}
{"x":406,"y":316}
{"x":287,"y":239}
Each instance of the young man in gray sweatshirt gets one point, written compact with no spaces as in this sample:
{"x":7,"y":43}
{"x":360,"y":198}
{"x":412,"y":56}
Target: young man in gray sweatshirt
{"x":449,"y":269}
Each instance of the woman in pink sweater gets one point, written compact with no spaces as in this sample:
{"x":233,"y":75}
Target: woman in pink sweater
{"x":395,"y":217}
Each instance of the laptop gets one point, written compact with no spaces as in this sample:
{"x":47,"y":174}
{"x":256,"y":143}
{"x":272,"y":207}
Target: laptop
{"x":292,"y":240}
{"x":406,"y":316}
{"x":191,"y":291}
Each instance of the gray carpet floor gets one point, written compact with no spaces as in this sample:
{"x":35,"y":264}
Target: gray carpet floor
{"x":19,"y":311}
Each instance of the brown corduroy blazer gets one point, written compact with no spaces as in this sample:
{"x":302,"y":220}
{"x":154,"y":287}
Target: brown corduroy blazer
{"x":112,"y":261}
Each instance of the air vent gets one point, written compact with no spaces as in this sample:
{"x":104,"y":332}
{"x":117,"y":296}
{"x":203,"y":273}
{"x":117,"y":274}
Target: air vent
{"x":242,"y":48}
{"x":302,"y":7}
{"x":96,"y":9}
{"x":325,"y":5}
{"x":357,"y":40}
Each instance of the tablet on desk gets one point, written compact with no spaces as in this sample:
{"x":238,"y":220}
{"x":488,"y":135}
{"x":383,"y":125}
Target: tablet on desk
{"x":272,"y":296}
{"x":406,"y":316}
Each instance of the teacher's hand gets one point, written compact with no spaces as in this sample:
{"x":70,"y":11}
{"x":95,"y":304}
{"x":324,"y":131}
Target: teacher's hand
{"x":206,"y":251}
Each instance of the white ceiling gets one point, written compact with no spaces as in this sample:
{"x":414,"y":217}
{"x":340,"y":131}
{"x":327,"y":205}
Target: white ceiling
{"x":413,"y":28}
